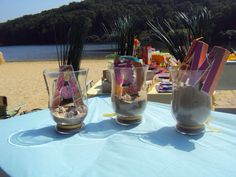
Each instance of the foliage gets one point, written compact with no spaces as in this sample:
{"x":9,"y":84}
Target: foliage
{"x":229,"y":34}
{"x":36,"y":29}
{"x":124,"y":35}
{"x":177,"y":38}
{"x":198,"y":24}
{"x":70,"y":44}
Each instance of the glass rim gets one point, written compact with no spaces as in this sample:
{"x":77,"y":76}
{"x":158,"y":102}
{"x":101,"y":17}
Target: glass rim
{"x":117,"y":67}
{"x":184,"y":70}
{"x":56,"y":71}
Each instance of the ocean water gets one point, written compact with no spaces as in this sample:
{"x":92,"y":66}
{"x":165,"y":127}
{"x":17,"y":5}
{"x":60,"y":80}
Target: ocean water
{"x":49,"y":52}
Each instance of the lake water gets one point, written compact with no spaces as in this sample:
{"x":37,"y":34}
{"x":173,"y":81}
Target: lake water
{"x":49,"y":52}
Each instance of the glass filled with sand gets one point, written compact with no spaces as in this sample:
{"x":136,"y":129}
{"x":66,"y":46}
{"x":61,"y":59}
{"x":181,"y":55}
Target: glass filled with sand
{"x":67,"y":98}
{"x":191,"y":106}
{"x":129,"y":93}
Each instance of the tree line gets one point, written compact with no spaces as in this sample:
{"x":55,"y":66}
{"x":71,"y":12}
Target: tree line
{"x":41,"y":28}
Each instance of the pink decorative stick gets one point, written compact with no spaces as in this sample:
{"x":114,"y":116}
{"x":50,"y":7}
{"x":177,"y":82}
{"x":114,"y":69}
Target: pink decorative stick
{"x":209,"y":60}
{"x":199,"y":54}
{"x":217,"y":57}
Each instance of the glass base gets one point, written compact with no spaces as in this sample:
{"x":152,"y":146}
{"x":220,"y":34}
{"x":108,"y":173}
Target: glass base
{"x":128,"y":120}
{"x":190,"y":130}
{"x":69,"y":129}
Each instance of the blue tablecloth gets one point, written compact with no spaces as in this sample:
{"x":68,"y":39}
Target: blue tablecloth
{"x":30,"y":147}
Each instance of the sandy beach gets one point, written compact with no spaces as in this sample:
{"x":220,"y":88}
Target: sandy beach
{"x":23,"y":83}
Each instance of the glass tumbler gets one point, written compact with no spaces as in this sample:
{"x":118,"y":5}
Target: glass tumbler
{"x":129,"y":93}
{"x":67,"y":98}
{"x":190,"y":105}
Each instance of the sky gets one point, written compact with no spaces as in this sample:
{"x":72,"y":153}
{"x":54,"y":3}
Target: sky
{"x":11,"y":9}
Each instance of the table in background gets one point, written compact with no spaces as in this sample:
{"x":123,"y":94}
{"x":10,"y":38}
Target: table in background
{"x":30,"y":147}
{"x":153,"y":95}
{"x":96,"y":90}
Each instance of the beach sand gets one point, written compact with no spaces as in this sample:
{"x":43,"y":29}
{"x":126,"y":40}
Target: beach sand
{"x":23,"y":83}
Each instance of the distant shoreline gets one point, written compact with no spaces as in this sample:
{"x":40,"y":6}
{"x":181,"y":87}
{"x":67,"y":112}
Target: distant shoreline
{"x":51,"y":60}
{"x":49,"y":52}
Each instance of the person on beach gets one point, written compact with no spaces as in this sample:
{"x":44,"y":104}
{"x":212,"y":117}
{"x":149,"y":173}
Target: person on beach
{"x":1,"y":58}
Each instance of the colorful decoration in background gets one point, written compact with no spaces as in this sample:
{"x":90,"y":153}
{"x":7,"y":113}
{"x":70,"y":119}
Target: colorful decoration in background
{"x":232,"y":56}
{"x":147,"y":54}
{"x":162,"y":59}
{"x":160,"y":62}
{"x":137,"y":46}
{"x":164,"y":86}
